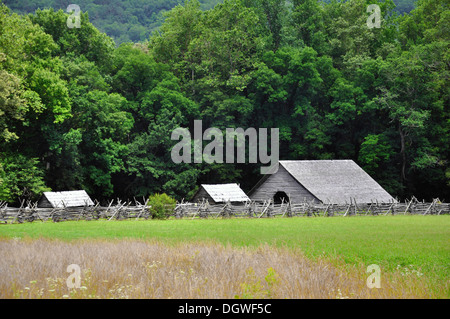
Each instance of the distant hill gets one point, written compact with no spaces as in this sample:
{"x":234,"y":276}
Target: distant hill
{"x":132,"y":20}
{"x":404,"y":6}
{"x":125,"y":21}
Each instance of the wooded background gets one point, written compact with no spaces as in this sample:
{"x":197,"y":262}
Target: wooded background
{"x":132,"y":20}
{"x":79,"y":112}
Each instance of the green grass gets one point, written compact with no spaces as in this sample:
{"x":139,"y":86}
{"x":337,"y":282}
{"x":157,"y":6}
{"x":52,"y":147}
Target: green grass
{"x":389,"y":241}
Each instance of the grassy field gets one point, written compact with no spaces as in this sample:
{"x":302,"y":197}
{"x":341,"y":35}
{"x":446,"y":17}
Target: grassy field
{"x":416,"y":247}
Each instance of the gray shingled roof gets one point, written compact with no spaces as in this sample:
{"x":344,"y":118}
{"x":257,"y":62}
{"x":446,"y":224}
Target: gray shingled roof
{"x":225,"y":192}
{"x":337,"y":181}
{"x":68,"y":199}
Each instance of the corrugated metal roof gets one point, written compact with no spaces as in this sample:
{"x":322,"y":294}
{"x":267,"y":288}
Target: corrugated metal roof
{"x":225,"y":192}
{"x":68,"y":199}
{"x":337,"y":181}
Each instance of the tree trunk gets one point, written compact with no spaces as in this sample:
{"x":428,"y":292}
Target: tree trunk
{"x":402,"y":152}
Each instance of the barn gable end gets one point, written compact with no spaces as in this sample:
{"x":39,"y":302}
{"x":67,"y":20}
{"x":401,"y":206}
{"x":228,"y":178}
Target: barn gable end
{"x":326,"y":181}
{"x":281,"y":181}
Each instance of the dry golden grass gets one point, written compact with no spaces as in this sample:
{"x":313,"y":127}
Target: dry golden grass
{"x":144,"y":269}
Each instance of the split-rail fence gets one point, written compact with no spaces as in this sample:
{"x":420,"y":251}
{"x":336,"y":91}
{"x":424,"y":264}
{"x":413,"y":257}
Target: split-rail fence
{"x":119,"y":210}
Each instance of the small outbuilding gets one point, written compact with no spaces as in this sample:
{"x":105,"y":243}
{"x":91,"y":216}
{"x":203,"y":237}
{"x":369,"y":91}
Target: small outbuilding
{"x":320,"y":181}
{"x":220,"y":193}
{"x":65,"y":199}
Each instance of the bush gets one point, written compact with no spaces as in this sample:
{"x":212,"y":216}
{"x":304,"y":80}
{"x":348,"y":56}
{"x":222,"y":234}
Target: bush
{"x":162,"y":206}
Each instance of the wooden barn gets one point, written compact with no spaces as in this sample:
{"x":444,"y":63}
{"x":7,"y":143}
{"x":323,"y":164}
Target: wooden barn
{"x":220,"y":193}
{"x":326,"y":181}
{"x":65,"y":199}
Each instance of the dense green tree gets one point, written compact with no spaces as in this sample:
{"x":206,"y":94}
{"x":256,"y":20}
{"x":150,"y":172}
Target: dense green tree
{"x":32,"y":99}
{"x":12,"y":105}
{"x":21,"y":178}
{"x":158,"y":107}
{"x":86,"y":40}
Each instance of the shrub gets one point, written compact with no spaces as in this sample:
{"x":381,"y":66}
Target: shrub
{"x":162,"y":206}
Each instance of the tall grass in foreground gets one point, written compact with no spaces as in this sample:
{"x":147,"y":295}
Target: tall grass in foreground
{"x":36,"y":268}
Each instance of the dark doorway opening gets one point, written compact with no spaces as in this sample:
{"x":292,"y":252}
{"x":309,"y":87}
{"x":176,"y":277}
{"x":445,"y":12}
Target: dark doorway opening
{"x":280,"y":197}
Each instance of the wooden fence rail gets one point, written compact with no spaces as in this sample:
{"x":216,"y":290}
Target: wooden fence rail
{"x":29,"y":212}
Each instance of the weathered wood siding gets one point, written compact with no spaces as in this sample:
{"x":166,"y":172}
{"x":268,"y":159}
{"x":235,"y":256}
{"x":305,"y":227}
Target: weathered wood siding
{"x":202,"y":194}
{"x":281,"y":181}
{"x":44,"y":203}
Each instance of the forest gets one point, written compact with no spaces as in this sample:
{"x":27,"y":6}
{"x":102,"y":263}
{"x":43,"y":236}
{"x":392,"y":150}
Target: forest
{"x":78,"y":110}
{"x":131,"y":20}
{"x":124,"y":21}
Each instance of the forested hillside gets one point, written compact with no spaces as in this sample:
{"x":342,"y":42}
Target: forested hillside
{"x":77,"y":112}
{"x":132,"y":20}
{"x":124,"y":21}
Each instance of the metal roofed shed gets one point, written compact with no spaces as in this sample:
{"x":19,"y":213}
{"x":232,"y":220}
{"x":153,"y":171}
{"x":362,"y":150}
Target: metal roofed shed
{"x":326,"y":181}
{"x":65,"y":199}
{"x":221,"y":193}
